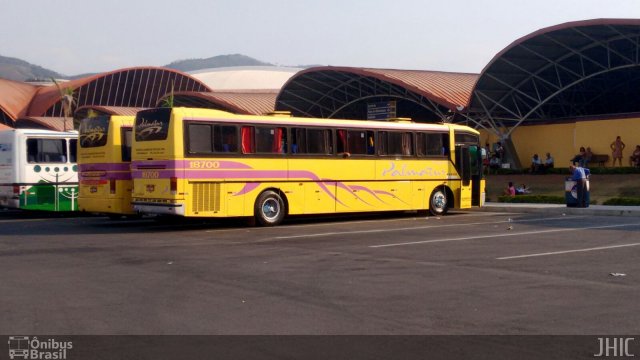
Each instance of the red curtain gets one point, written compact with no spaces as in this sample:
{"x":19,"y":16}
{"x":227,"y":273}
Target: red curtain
{"x":247,"y":140}
{"x":277,"y":141}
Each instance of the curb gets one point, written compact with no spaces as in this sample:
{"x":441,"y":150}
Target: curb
{"x":594,"y":210}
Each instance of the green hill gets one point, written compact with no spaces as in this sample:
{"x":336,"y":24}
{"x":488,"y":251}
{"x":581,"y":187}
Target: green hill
{"x":215,"y":62}
{"x":20,"y":70}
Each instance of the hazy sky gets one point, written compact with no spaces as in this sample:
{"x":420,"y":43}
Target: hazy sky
{"x":80,"y":36}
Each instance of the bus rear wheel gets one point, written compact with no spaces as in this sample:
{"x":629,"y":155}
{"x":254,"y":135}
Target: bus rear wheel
{"x":269,"y":209}
{"x":438,"y":202}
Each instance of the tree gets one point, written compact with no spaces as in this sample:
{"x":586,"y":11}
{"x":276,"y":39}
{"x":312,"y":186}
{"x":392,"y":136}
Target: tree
{"x":67,"y":100}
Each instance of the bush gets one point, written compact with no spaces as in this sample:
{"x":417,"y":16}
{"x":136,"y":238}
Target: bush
{"x":536,"y":199}
{"x":626,"y":201}
{"x":565,"y":171}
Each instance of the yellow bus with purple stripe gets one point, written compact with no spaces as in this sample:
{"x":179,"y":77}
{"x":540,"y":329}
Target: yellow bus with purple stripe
{"x":104,"y":161}
{"x":210,"y":163}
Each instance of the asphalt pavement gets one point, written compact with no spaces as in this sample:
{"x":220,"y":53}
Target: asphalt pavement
{"x":592,"y":210}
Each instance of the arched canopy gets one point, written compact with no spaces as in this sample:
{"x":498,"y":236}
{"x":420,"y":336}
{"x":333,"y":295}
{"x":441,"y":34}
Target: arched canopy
{"x":46,"y":123}
{"x":344,"y":92}
{"x":83,"y":111}
{"x":14,"y":100}
{"x":568,"y":71}
{"x":248,"y":102}
{"x":133,"y":87}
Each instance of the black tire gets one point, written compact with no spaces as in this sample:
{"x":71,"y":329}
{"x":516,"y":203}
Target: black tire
{"x":438,"y":202}
{"x":269,"y":209}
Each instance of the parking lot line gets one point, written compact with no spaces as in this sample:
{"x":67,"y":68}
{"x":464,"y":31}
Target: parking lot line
{"x":567,"y":251}
{"x":420,"y":227}
{"x":503,"y":235}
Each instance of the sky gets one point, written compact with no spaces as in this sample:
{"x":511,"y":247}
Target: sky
{"x":85,"y":36}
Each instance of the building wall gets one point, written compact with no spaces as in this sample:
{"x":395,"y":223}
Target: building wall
{"x":563,"y":141}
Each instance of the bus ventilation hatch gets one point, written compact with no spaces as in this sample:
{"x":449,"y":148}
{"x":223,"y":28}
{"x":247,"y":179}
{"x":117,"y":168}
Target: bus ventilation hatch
{"x":206,"y":196}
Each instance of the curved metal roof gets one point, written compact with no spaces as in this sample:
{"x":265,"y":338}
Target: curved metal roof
{"x":14,"y":100}
{"x":249,"y":102}
{"x":331,"y":92}
{"x":567,"y":71}
{"x":107,"y":110}
{"x":132,"y":87}
{"x":47,"y":123}
{"x":245,"y":77}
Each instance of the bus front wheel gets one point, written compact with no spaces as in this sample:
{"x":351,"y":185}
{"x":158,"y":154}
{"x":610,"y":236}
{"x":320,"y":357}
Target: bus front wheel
{"x":269,"y":209}
{"x":438,"y":204}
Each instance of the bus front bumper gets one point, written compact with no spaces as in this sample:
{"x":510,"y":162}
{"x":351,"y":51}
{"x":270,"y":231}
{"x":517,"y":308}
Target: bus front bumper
{"x":158,"y":208}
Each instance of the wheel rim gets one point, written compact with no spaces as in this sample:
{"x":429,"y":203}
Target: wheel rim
{"x":439,"y":201}
{"x":271,"y":209}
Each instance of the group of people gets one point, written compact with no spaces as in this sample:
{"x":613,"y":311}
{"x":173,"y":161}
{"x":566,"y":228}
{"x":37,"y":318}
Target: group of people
{"x":583,"y":157}
{"x":539,"y":166}
{"x":616,"y":153}
{"x":493,"y":156}
{"x":617,"y":146}
{"x":512,"y":190}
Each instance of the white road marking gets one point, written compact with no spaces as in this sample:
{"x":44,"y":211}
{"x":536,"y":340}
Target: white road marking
{"x":504,"y":235}
{"x":419,"y":228}
{"x":567,"y":251}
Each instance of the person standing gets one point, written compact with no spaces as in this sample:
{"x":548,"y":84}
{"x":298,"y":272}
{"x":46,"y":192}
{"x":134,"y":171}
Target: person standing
{"x":579,"y":175}
{"x":616,"y":150}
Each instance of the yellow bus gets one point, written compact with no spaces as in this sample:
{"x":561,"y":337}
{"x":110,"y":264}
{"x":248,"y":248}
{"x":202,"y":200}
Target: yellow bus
{"x":210,"y":163}
{"x":104,"y":160}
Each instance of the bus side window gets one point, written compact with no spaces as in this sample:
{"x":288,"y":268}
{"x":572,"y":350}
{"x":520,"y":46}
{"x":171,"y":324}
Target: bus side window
{"x":341,"y":142}
{"x":225,"y":138}
{"x":247,"y":139}
{"x":73,"y":150}
{"x":199,"y":138}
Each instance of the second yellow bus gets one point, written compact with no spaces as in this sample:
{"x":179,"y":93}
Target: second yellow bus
{"x":104,"y":159}
{"x":210,"y":163}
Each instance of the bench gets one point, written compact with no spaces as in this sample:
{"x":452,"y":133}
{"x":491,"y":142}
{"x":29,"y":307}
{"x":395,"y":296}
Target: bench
{"x":600,"y":159}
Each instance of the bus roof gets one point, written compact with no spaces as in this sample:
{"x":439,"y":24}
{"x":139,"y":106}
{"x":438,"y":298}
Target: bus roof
{"x":280,"y":119}
{"x":44,"y":132}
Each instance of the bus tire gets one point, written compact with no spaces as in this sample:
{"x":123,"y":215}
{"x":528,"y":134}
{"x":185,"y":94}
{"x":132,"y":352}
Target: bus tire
{"x":438,"y":202}
{"x":269,"y":209}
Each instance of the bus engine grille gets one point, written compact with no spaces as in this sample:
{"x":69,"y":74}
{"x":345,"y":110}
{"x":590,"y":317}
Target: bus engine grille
{"x":206,"y":196}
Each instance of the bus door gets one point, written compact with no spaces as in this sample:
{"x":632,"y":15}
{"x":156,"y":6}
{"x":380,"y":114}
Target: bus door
{"x":475,"y":160}
{"x":469,"y":165}
{"x":463,"y":165}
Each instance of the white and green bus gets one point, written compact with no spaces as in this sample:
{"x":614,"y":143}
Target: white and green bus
{"x":38,"y":170}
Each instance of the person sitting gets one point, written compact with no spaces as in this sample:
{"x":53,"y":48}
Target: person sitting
{"x":536,"y":164}
{"x":579,"y":156}
{"x":588,"y":154}
{"x":634,"y":159}
{"x":510,"y":190}
{"x":548,"y":162}
{"x":522,"y":190}
{"x":494,"y":163}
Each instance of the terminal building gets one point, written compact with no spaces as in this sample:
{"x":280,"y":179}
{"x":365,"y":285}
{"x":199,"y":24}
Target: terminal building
{"x":554,"y":90}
